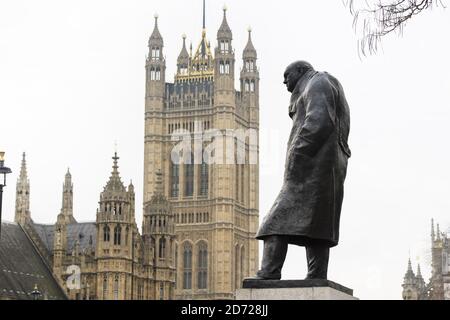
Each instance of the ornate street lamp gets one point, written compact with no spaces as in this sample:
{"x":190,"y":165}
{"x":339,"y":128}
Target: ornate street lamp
{"x":35,"y":293}
{"x":3,"y":171}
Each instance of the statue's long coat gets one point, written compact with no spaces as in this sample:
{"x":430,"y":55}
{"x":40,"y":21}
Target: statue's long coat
{"x":308,"y":206}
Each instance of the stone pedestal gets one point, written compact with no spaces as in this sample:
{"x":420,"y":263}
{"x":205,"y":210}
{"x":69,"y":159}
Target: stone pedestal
{"x":315,"y":289}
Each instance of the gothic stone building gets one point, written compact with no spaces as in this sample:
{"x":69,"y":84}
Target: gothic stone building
{"x":107,"y":259}
{"x":215,"y":204}
{"x":199,"y":217}
{"x":438,"y":288}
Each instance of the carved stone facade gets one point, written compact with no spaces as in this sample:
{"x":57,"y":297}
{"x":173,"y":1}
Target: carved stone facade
{"x":215,"y":204}
{"x":107,"y":259}
{"x":438,"y":287}
{"x":200,"y":217}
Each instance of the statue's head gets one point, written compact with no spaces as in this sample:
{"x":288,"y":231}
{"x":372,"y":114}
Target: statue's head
{"x":294,"y":72}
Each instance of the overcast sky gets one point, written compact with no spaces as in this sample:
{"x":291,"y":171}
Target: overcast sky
{"x":72,"y":82}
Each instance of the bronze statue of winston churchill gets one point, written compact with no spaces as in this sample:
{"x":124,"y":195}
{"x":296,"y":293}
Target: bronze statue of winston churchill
{"x":307,"y":210}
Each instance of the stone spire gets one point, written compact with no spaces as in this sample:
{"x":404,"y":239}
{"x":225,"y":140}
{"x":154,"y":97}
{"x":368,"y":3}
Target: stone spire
{"x":156,"y":38}
{"x":158,"y":233}
{"x":184,"y":53}
{"x":204,"y":15}
{"x":115,"y":183}
{"x":67,"y":199}
{"x":438,"y":232}
{"x":409,"y":275}
{"x":410,"y":285}
{"x":224,"y":32}
{"x":249,"y":50}
{"x":183,"y":59}
{"x":432,"y":230}
{"x":419,"y":273}
{"x":250,"y":75}
{"x":22,"y":211}
{"x":420,"y":283}
{"x":23,"y":177}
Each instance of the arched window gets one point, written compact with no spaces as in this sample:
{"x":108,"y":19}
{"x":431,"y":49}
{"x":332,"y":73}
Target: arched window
{"x":202,"y":263}
{"x":127,"y":233}
{"x":116,"y":287}
{"x":187,"y":266}
{"x":252,"y":86}
{"x":174,"y":179}
{"x":105,"y":287}
{"x":155,"y":53}
{"x":152,"y":74}
{"x":224,"y":46}
{"x":227,"y":67}
{"x":189,"y":177}
{"x":246,"y":86}
{"x":250,"y":66}
{"x":106,"y":233}
{"x":204,"y":178}
{"x":161,"y":291}
{"x":158,"y":74}
{"x":162,"y":248}
{"x":221,"y":68}
{"x":117,"y":235}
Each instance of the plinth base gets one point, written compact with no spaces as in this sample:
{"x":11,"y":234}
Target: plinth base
{"x":315,"y":289}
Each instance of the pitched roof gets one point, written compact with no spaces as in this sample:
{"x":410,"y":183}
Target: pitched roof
{"x":84,"y":232}
{"x":224,"y":31}
{"x":21,"y":268}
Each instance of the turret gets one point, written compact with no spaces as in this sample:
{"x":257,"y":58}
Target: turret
{"x":158,"y":231}
{"x":249,"y":72}
{"x":154,"y":107}
{"x":22,"y":211}
{"x":433,"y":236}
{"x":420,"y":281}
{"x":436,"y":253}
{"x":410,"y":290}
{"x":183,"y":59}
{"x":250,"y":81}
{"x":224,"y":59}
{"x":115,"y":227}
{"x":67,"y":199}
{"x":155,"y":67}
{"x":60,"y":247}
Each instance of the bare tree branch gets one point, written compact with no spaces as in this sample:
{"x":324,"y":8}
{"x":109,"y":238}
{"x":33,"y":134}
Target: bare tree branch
{"x":383,"y":17}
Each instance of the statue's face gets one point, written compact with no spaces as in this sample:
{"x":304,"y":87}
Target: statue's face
{"x":291,"y":77}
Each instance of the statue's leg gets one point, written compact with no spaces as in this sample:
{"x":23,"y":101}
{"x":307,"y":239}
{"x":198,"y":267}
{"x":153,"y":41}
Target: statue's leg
{"x":317,"y":257}
{"x":275,"y":249}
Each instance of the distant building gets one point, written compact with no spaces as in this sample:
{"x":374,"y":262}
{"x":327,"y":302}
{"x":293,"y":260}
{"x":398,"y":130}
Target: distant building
{"x":438,"y":287}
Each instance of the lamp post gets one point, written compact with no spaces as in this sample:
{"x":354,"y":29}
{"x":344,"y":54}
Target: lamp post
{"x":3,"y":171}
{"x":35,"y":293}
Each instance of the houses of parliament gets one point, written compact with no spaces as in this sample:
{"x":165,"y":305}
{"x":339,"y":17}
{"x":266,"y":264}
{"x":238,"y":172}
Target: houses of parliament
{"x":438,"y":286}
{"x":199,"y":218}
